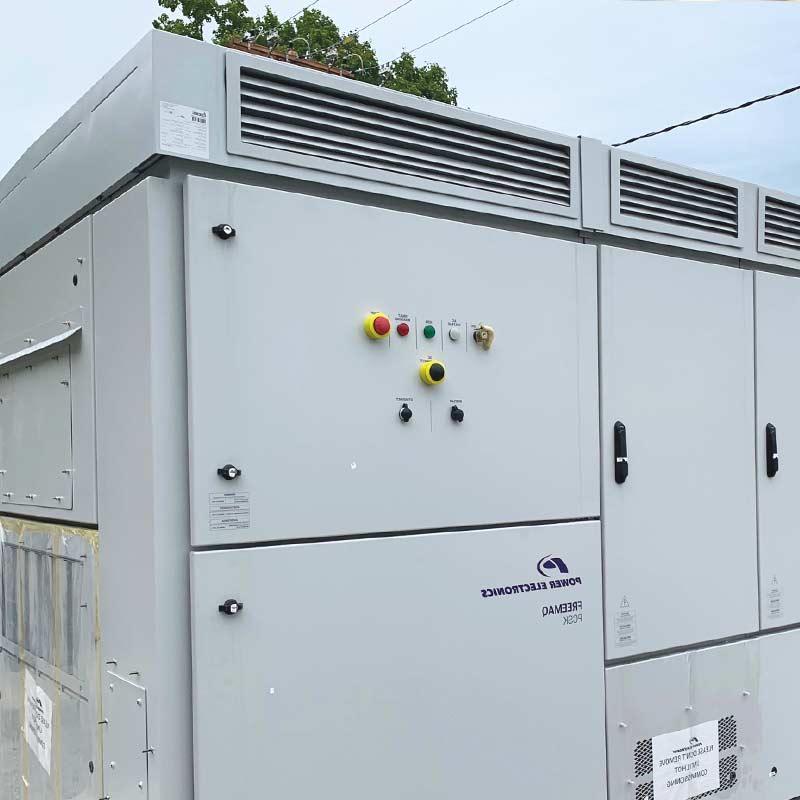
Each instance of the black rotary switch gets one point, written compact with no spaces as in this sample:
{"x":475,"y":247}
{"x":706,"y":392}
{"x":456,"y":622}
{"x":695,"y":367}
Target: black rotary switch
{"x":231,"y":607}
{"x":224,"y":231}
{"x":229,"y":472}
{"x":456,"y":414}
{"x":405,"y":413}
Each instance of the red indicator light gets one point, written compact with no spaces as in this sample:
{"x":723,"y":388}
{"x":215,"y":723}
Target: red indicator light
{"x":403,"y":329}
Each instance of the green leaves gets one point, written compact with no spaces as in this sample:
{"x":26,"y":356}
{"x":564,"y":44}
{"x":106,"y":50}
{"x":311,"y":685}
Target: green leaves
{"x":313,"y":35}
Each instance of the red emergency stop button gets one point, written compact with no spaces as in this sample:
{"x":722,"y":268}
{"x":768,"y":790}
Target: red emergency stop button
{"x":403,"y":329}
{"x":377,"y":325}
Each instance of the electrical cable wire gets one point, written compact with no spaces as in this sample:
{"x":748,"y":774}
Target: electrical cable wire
{"x":713,"y":114}
{"x":383,"y":17}
{"x":305,"y":8}
{"x":441,"y":36}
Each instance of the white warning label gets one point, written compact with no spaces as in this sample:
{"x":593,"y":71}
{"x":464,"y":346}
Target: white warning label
{"x":184,"y":131}
{"x":774,"y":597}
{"x":38,"y":721}
{"x":686,"y":763}
{"x":228,"y":511}
{"x":625,"y":624}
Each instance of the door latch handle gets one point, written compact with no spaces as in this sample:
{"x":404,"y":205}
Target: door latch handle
{"x":620,"y":452}
{"x":772,"y":451}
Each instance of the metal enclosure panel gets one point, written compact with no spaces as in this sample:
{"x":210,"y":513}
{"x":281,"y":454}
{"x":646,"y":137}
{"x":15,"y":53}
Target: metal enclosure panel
{"x":143,"y":497}
{"x":652,"y":698}
{"x":125,"y":743}
{"x":377,"y":668}
{"x":46,"y":303}
{"x":36,"y":432}
{"x":778,"y":398}
{"x":677,"y":370}
{"x":777,"y":775}
{"x":785,"y":225}
{"x":99,"y":141}
{"x":285,"y":384}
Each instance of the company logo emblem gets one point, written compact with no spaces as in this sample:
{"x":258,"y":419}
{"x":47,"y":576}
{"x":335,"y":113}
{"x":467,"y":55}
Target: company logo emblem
{"x":693,"y":741}
{"x":551,"y":565}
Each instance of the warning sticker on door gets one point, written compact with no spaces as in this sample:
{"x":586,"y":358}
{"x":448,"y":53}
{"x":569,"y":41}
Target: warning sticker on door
{"x":184,"y":131}
{"x":686,"y":763}
{"x":625,"y":624}
{"x":228,"y":511}
{"x":38,"y":721}
{"x":774,"y":597}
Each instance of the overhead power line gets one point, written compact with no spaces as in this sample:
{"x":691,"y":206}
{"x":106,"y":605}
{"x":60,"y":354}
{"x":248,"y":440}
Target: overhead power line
{"x":463,"y":25}
{"x":440,"y":37}
{"x":305,"y":8}
{"x":730,"y":110}
{"x":383,"y":17}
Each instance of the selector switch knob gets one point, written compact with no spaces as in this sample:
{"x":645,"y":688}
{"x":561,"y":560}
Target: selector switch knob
{"x":456,"y":414}
{"x":432,"y":372}
{"x":377,"y":325}
{"x":405,"y":413}
{"x":229,"y":472}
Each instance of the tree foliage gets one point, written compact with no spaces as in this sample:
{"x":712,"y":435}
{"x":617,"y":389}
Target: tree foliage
{"x":313,"y":35}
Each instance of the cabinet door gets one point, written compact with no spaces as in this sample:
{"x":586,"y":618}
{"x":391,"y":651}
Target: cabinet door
{"x":432,"y":666}
{"x":677,"y":372}
{"x":778,"y":403}
{"x":335,"y":431}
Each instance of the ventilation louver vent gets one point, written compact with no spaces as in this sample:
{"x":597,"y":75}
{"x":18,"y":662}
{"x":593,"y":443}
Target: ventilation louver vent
{"x":781,"y":223}
{"x":316,"y":121}
{"x":678,"y":200}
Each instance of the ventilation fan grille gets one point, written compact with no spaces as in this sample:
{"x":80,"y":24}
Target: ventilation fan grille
{"x":658,"y":195}
{"x":315,"y":121}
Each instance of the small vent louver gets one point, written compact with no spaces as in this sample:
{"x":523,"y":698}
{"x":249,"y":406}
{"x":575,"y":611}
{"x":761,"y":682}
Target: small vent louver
{"x":781,"y":223}
{"x":678,"y":200}
{"x":318,"y":121}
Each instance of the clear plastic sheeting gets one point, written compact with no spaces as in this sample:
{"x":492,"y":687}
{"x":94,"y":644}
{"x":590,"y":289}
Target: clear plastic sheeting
{"x":49,"y":662}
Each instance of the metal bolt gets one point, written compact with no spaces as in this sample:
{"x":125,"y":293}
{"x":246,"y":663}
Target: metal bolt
{"x":141,"y":785}
{"x":81,"y":260}
{"x":623,"y":725}
{"x":110,"y":687}
{"x":139,"y":701}
{"x":67,"y":322}
{"x":689,"y":708}
{"x":111,"y":764}
{"x":745,"y":693}
{"x":29,"y":341}
{"x":30,"y":496}
{"x":59,"y":498}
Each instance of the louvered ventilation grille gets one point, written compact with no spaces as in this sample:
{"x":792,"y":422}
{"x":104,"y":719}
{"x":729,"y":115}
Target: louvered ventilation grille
{"x":668,"y":197}
{"x":316,"y":122}
{"x":781,"y":223}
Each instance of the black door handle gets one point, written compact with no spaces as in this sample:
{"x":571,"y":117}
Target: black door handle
{"x":772,"y":451}
{"x":620,"y":452}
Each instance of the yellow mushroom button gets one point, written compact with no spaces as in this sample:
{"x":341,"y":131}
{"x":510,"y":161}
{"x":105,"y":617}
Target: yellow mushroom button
{"x":377,"y":326}
{"x":431,"y":372}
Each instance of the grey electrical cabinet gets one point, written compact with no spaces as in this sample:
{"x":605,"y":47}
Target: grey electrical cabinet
{"x":356,"y":445}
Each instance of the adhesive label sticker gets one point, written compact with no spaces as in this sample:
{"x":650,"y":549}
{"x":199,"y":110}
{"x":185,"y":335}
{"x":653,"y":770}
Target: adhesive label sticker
{"x":228,"y":511}
{"x":38,"y":721}
{"x":686,"y":763}
{"x":184,"y":131}
{"x":625,"y":625}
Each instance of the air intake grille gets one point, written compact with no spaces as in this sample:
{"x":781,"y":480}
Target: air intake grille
{"x":679,"y":200}
{"x":314,"y":121}
{"x":781,"y":223}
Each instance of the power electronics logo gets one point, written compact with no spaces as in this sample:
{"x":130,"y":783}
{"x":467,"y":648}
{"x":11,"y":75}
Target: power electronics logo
{"x":550,"y":565}
{"x":555,"y":571}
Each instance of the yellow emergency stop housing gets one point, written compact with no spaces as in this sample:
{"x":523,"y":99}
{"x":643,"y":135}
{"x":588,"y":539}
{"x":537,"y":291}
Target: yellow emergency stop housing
{"x":379,"y":331}
{"x":432,"y":372}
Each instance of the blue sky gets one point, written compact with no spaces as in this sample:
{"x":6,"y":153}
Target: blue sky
{"x":603,"y":68}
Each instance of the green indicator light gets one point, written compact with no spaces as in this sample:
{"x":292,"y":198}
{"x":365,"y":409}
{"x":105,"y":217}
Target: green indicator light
{"x":429,"y":331}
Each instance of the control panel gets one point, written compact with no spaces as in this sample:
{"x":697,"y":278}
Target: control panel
{"x":393,"y":373}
